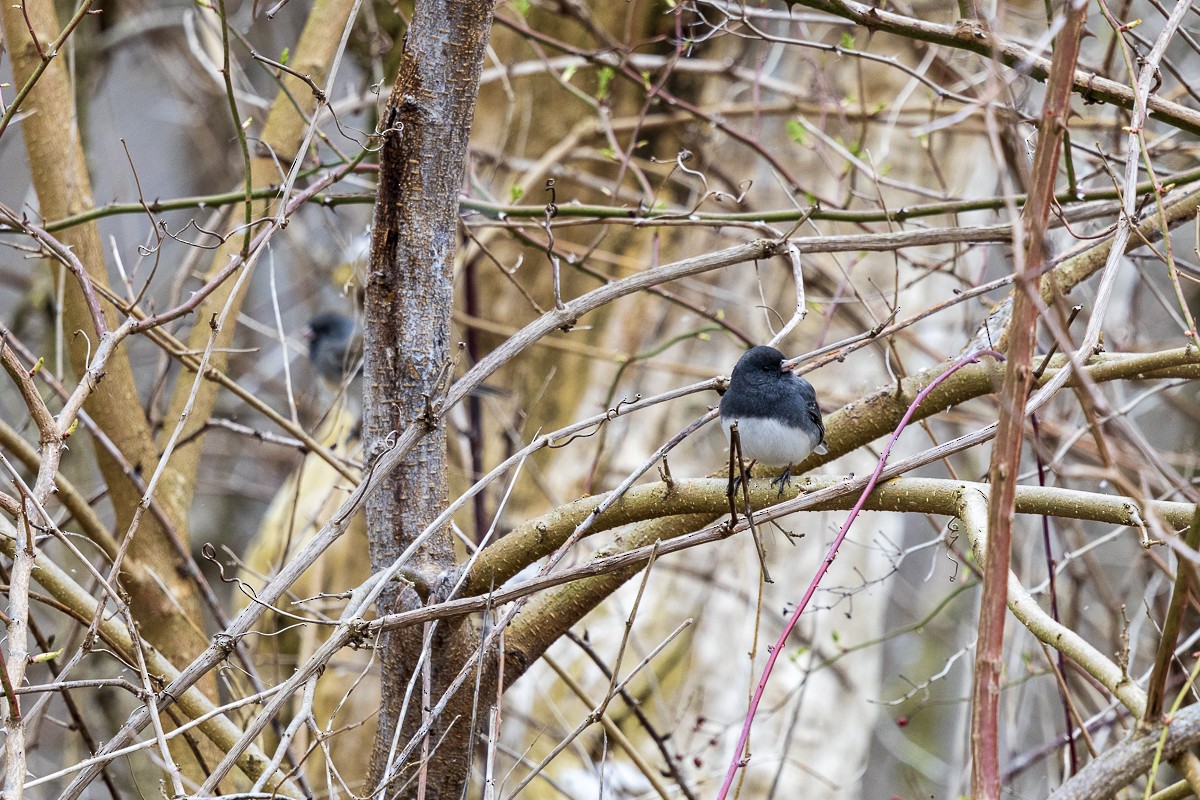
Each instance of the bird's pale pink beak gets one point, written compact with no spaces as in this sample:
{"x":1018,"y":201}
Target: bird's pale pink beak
{"x":786,"y":367}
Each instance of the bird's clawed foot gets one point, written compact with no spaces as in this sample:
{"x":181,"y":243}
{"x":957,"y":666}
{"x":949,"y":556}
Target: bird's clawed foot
{"x":783,"y":481}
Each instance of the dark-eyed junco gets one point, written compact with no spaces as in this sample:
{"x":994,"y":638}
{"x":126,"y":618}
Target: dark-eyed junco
{"x":335,"y":350}
{"x":334,"y":345}
{"x":779,"y":421}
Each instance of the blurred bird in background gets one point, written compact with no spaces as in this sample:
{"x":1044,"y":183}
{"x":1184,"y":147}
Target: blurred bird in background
{"x":335,"y":351}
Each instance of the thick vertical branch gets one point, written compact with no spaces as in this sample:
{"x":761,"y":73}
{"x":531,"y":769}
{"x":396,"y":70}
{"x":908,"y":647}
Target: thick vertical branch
{"x":162,"y":598}
{"x":63,"y":186}
{"x":1018,"y":376}
{"x":1165,"y":654}
{"x":60,"y":177}
{"x":409,"y":296}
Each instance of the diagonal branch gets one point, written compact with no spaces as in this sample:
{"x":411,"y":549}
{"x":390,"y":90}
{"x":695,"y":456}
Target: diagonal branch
{"x":973,"y":36}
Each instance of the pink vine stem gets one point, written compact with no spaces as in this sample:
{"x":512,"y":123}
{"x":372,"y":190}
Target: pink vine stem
{"x":737,"y":762}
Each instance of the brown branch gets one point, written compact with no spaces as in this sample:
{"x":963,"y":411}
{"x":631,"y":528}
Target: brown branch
{"x":407,"y":354}
{"x":1018,"y":378}
{"x":42,"y":418}
{"x":1165,"y":654}
{"x":1121,"y":765}
{"x":62,"y":254}
{"x":45,"y":56}
{"x":973,"y":36}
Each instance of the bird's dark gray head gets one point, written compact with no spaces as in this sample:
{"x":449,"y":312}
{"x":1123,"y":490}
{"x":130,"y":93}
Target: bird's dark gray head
{"x":333,"y":344}
{"x":758,"y":365}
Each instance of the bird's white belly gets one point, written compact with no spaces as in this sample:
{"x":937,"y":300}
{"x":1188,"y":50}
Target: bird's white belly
{"x":770,"y":442}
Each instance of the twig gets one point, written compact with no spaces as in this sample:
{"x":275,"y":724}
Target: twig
{"x":737,"y":763}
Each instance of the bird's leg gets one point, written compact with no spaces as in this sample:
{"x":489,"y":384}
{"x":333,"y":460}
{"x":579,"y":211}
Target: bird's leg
{"x":739,"y":474}
{"x":784,"y":480}
{"x":734,"y":462}
{"x":740,"y":477}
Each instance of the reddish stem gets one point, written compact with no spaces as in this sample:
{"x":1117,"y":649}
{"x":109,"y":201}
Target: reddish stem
{"x":737,"y":761}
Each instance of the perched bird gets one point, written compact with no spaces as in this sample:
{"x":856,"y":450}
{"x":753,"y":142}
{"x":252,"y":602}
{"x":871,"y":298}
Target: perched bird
{"x":779,"y":421}
{"x":335,"y":350}
{"x":334,"y":345}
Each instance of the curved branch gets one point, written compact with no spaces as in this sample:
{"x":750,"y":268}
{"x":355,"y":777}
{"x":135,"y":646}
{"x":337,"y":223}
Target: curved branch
{"x":846,"y":430}
{"x":1119,"y":766}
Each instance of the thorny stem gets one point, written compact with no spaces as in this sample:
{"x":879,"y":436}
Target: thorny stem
{"x":737,"y":761}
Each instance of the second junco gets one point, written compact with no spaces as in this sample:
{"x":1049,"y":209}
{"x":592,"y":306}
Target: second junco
{"x":335,"y":350}
{"x":334,"y":345}
{"x":779,"y":421}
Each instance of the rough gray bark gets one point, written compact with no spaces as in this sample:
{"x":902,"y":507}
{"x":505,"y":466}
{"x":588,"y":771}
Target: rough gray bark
{"x":1117,"y":768}
{"x":408,"y":301}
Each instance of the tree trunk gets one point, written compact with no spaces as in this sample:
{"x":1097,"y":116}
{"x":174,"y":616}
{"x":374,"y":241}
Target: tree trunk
{"x":409,"y":296}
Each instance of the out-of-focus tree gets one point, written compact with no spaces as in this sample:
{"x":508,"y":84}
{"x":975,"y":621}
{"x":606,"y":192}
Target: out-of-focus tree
{"x":504,"y":562}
